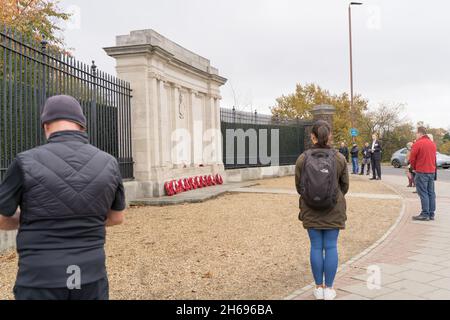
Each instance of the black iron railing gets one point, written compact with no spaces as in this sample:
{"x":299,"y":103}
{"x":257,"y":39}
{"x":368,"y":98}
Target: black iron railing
{"x":32,"y":71}
{"x":291,"y":138}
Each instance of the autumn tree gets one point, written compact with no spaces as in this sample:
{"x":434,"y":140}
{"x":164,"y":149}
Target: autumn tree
{"x":445,"y":147}
{"x":30,"y":21}
{"x":388,"y":122}
{"x":300,"y":104}
{"x":27,"y":21}
{"x":34,"y":18}
{"x":447,"y":136}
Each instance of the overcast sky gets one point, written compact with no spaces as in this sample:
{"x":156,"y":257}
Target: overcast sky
{"x":264,"y":47}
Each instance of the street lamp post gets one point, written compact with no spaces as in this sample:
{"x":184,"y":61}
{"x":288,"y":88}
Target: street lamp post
{"x":351,"y":62}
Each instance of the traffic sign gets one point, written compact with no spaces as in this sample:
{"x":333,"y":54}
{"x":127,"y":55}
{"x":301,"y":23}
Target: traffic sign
{"x":354,"y":132}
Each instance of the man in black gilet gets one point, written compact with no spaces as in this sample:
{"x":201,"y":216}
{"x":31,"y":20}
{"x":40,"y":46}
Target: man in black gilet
{"x":68,"y":191}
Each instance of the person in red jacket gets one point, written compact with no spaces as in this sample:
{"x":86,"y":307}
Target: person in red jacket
{"x":423,"y":162}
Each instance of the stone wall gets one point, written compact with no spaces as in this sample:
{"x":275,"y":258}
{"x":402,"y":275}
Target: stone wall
{"x":249,"y":174}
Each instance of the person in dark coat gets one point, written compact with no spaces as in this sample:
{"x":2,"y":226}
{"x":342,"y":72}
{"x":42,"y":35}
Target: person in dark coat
{"x":376,"y":151}
{"x":68,"y":192}
{"x":344,"y":151}
{"x":366,"y":154}
{"x":355,"y":160}
{"x":324,"y":225}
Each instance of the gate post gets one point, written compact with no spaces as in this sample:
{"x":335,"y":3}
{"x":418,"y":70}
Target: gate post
{"x":321,"y":112}
{"x":324,"y":112}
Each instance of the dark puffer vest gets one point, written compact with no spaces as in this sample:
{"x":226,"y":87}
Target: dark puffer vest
{"x":69,"y":187}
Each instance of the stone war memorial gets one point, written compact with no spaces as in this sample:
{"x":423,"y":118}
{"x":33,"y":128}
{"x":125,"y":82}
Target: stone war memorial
{"x":175,"y":110}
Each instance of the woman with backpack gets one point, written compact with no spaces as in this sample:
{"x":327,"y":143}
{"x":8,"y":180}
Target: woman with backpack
{"x":322,"y":180}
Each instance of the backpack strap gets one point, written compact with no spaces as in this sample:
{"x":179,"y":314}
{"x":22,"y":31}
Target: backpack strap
{"x":310,"y":151}
{"x":307,"y":154}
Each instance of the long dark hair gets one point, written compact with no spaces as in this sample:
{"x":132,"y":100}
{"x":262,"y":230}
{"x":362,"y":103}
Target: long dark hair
{"x":321,"y":130}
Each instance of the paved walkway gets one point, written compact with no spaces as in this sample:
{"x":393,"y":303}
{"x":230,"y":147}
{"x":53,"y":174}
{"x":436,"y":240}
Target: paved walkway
{"x":411,"y":263}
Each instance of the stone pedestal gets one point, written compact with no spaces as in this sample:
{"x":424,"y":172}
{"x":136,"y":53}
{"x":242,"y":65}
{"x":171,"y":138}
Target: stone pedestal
{"x":175,"y":109}
{"x":321,"y":112}
{"x":324,"y":112}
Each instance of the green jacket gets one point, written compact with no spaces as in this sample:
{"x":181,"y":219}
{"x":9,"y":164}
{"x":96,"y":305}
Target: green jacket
{"x":333,"y":218}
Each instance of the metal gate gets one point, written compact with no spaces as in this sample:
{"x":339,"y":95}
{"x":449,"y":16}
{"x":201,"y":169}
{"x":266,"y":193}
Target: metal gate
{"x":32,"y":71}
{"x":291,"y":135}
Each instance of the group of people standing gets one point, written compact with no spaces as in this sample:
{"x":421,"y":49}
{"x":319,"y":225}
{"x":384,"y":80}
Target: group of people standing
{"x":371,"y":157}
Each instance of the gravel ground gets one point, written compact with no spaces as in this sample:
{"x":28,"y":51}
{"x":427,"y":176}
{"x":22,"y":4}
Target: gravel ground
{"x":238,"y":246}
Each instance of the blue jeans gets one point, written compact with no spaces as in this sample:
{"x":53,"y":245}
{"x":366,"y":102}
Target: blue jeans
{"x":425,"y":190}
{"x":324,"y":255}
{"x":355,"y":165}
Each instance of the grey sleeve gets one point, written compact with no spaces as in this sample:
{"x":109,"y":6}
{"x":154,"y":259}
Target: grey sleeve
{"x":119,"y":202}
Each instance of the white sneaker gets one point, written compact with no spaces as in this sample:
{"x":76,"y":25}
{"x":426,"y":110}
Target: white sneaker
{"x":329,"y":294}
{"x":318,"y":293}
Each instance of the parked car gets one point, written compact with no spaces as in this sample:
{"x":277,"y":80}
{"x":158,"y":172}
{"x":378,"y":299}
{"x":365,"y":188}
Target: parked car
{"x":443,"y":161}
{"x":398,"y":159}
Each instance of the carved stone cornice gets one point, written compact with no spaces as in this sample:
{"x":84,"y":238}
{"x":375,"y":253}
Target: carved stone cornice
{"x":149,"y":43}
{"x":156,"y":75}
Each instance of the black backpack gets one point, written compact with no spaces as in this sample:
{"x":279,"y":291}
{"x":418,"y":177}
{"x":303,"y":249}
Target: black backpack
{"x":318,"y":182}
